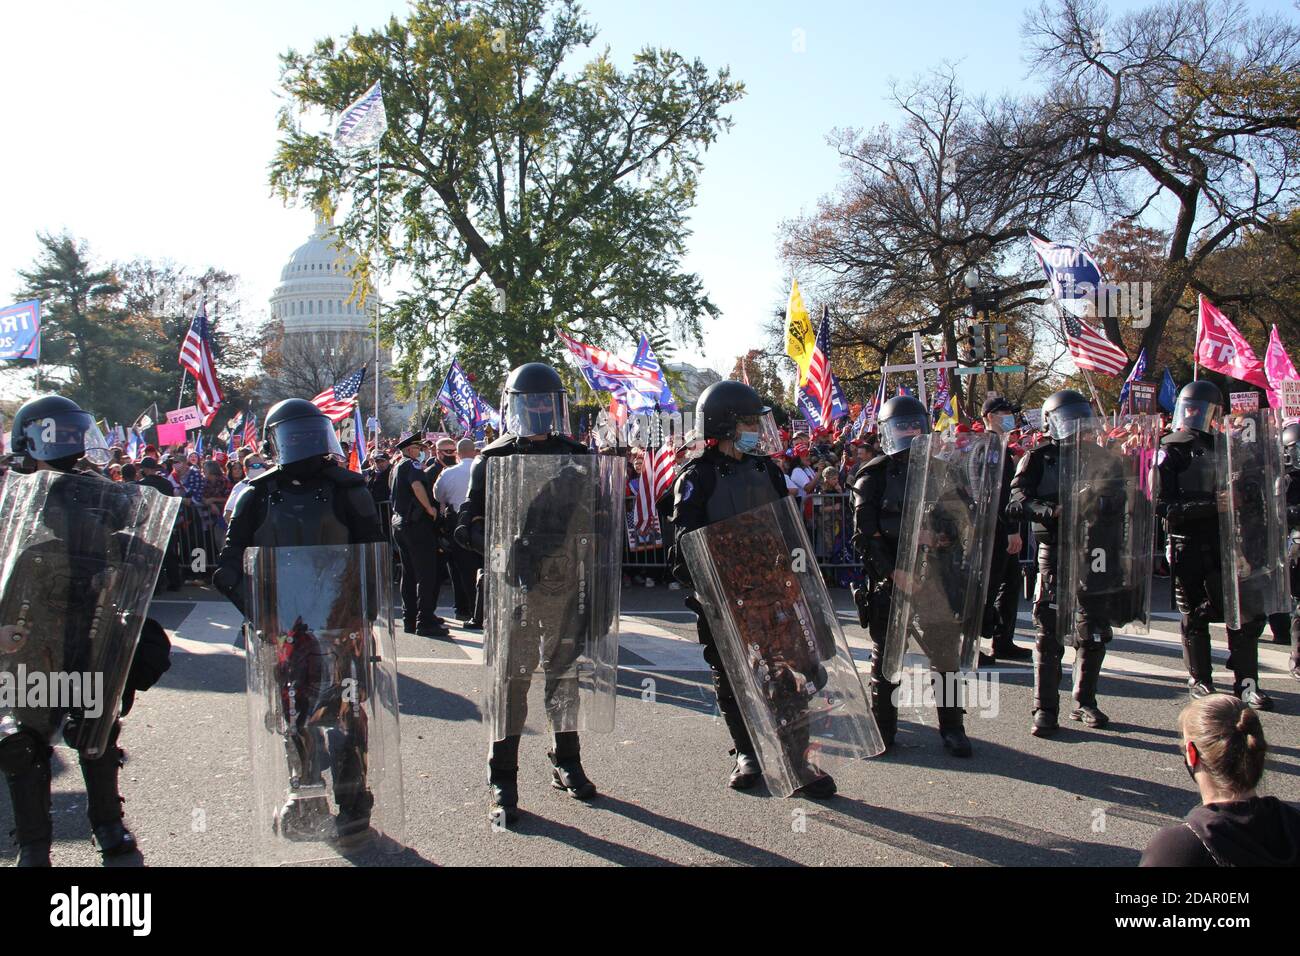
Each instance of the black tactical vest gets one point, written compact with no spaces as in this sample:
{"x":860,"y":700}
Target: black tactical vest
{"x":742,"y":486}
{"x":890,"y":511}
{"x":300,"y":516}
{"x":1198,"y":480}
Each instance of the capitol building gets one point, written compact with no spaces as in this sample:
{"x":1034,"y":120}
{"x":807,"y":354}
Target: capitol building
{"x":327,"y":333}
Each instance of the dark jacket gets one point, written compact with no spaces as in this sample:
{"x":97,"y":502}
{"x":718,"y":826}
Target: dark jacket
{"x":693,"y":489}
{"x":1262,"y":831}
{"x":470,"y":519}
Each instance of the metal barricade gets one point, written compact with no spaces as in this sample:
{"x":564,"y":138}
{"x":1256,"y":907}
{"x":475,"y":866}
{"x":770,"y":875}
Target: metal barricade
{"x":198,"y":541}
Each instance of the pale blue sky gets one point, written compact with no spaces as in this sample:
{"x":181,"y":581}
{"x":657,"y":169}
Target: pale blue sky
{"x":146,"y":126}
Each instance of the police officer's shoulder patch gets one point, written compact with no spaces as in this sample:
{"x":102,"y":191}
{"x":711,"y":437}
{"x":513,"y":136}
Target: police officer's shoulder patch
{"x":687,"y":489}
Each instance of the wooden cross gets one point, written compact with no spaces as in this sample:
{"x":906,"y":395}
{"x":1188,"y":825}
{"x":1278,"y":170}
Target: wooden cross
{"x":920,"y":366}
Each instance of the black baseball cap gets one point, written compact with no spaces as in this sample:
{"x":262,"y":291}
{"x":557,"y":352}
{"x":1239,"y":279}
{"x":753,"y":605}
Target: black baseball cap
{"x":998,"y":403}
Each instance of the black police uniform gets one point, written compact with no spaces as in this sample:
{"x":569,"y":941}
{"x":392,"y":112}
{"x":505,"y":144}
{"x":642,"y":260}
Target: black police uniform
{"x":330,"y":507}
{"x":1035,"y":496}
{"x":712,"y":488}
{"x":1003,"y":597}
{"x":1288,"y":625}
{"x":879,"y":492}
{"x":1187,"y":502}
{"x":171,"y":560}
{"x":503,"y":757}
{"x":377,"y":482}
{"x":25,"y":753}
{"x":416,"y":533}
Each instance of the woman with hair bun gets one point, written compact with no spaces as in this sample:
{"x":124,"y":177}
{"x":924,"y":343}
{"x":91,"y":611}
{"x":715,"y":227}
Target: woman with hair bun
{"x":1224,"y":751}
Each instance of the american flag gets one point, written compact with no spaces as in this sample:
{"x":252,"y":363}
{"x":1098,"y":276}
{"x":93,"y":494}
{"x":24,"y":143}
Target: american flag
{"x":640,"y":389}
{"x":250,"y":430}
{"x":196,"y":358}
{"x":655,"y":479}
{"x":337,"y":400}
{"x":1089,"y":348}
{"x":819,"y":369}
{"x":873,"y":409}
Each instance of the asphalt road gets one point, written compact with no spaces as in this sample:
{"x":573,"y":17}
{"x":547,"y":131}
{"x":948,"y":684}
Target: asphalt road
{"x":1084,"y":798}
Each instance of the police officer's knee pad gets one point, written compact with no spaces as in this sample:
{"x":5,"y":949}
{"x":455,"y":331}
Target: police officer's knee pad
{"x":72,"y":727}
{"x":22,"y":751}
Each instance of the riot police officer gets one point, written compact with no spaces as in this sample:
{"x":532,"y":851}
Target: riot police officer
{"x":733,"y":475}
{"x":879,"y":494}
{"x":307,"y":500}
{"x":52,"y":434}
{"x":1188,"y":466}
{"x":1287,"y":626}
{"x":1036,"y":496}
{"x":535,"y":419}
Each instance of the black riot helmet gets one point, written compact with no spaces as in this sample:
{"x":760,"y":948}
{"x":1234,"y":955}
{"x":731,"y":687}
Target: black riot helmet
{"x":300,"y":432}
{"x":535,"y":402}
{"x":901,"y":420}
{"x":54,"y":429}
{"x":1291,"y":446}
{"x":726,"y":410}
{"x":1199,"y":405}
{"x":1063,"y":411}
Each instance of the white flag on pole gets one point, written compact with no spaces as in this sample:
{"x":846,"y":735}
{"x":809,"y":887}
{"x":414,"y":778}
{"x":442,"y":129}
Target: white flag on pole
{"x":363,"y":123}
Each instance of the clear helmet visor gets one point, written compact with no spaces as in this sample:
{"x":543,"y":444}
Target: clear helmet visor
{"x":767,"y":438}
{"x":525,"y":414}
{"x":897,"y":434}
{"x":1065,"y":421}
{"x":1197,"y":416}
{"x":65,"y":434}
{"x":302,"y":438}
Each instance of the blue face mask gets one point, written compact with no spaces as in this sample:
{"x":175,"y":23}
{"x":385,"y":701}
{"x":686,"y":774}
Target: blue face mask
{"x":747,"y":442}
{"x":1008,"y":422}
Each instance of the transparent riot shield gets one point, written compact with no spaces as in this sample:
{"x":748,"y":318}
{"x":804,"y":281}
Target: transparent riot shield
{"x":322,"y":702}
{"x":945,"y":548}
{"x":1107,"y":526}
{"x":554,"y":551}
{"x":1252,"y":517}
{"x":79,"y":559}
{"x":756,"y":576}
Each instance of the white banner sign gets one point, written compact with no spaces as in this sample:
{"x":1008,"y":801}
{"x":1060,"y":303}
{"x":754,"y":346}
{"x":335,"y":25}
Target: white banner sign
{"x":188,"y":416}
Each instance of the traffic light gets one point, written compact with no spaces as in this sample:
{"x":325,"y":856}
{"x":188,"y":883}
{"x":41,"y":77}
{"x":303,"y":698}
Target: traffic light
{"x":976,"y":341}
{"x":1001,"y":344}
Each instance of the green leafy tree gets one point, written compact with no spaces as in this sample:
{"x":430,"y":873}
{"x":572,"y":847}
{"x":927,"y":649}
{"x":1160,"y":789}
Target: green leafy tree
{"x":518,"y":192}
{"x":99,"y":320}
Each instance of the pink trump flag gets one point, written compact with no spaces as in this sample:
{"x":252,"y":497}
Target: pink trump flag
{"x":1278,"y":367}
{"x":1221,"y":348}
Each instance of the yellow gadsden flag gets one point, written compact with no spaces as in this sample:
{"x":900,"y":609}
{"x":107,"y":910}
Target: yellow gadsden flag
{"x":800,"y":339}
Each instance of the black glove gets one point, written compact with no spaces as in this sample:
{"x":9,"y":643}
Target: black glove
{"x":153,"y":658}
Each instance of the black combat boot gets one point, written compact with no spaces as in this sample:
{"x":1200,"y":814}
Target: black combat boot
{"x":1087,"y":670}
{"x":885,"y":710}
{"x":29,"y":792}
{"x":746,"y":773}
{"x":1196,"y":656}
{"x":1047,"y":684}
{"x":952,"y":730}
{"x":503,"y":780}
{"x":566,"y":767}
{"x":1243,"y":660}
{"x":104,"y":803}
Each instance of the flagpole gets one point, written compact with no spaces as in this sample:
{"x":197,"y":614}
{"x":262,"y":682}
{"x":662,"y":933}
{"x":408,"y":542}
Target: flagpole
{"x":1196,"y":347}
{"x":181,"y":391}
{"x":379,"y":168}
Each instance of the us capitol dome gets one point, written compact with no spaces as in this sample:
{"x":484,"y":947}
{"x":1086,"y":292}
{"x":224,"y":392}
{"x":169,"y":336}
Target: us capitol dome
{"x":321,"y":317}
